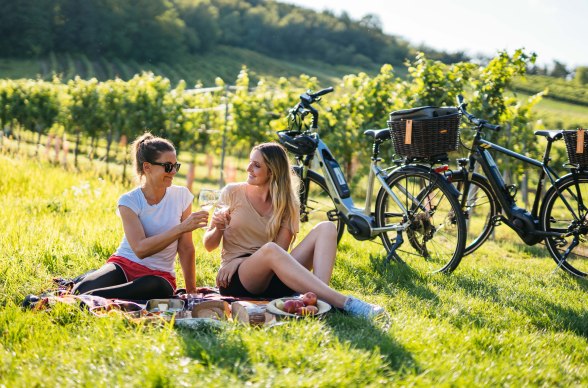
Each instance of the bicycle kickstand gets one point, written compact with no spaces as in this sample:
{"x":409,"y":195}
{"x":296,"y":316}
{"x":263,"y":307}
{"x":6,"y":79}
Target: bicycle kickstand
{"x":392,"y":254}
{"x":564,"y":257}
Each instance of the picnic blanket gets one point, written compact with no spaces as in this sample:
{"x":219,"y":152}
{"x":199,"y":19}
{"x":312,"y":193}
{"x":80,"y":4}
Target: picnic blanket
{"x":192,"y":309}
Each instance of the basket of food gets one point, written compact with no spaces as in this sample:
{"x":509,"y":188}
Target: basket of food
{"x":576,"y":142}
{"x":425,"y":131}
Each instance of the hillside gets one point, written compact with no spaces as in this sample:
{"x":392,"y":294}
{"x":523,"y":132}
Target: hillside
{"x":224,"y":62}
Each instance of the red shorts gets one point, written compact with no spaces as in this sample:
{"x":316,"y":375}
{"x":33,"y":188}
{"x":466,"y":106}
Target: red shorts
{"x":134,"y":270}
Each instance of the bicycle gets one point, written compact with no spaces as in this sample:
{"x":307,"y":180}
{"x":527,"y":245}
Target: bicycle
{"x":412,"y":199}
{"x":559,"y":218}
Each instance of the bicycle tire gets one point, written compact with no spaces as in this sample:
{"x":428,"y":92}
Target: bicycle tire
{"x":479,"y":209}
{"x":437,"y":233}
{"x":316,"y":204}
{"x":557,"y":217}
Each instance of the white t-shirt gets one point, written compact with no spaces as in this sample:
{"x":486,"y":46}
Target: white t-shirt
{"x":156,"y":219}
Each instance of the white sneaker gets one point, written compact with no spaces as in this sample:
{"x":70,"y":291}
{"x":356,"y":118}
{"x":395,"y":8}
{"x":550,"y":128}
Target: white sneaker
{"x":359,"y":308}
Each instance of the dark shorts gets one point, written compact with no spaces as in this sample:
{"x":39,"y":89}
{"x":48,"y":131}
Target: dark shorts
{"x":276,"y":289}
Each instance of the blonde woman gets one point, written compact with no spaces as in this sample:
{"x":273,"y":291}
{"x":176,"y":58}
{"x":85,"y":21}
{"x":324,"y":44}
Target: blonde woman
{"x":263,"y":214}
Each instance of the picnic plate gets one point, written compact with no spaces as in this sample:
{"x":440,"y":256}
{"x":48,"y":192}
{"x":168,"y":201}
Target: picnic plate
{"x":323,"y":308}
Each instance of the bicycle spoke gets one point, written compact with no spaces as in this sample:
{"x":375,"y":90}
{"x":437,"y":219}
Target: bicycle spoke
{"x":437,"y":228}
{"x":564,"y":213}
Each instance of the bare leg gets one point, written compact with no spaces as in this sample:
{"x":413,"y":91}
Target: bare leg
{"x":256,"y":271}
{"x":318,"y":249}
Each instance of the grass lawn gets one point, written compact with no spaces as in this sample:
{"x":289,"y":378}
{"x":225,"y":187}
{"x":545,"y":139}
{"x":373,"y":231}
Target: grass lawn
{"x":505,"y":317}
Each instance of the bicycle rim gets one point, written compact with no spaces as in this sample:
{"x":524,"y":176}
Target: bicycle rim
{"x":557,"y":217}
{"x":316,"y":205}
{"x":479,"y":209}
{"x":435,"y":239}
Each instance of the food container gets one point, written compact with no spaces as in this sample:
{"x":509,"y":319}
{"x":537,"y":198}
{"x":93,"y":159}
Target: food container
{"x":165,"y":306}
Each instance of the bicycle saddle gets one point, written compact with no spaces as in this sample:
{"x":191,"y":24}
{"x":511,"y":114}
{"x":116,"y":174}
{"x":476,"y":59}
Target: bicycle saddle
{"x":378,"y":134}
{"x":551,"y":134}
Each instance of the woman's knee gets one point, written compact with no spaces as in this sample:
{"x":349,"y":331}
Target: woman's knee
{"x":106,"y":276}
{"x":271,"y":248}
{"x":272,"y":252}
{"x":326,"y":229}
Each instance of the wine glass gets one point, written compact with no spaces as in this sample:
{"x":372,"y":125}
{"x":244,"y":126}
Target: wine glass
{"x":221,"y":207}
{"x":208,"y":198}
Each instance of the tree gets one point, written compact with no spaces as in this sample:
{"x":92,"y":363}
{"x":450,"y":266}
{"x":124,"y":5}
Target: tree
{"x":112,"y":96}
{"x":85,"y":116}
{"x":202,"y":24}
{"x":559,"y":70}
{"x":250,"y":112}
{"x":581,"y":76}
{"x":26,"y":27}
{"x":43,"y":106}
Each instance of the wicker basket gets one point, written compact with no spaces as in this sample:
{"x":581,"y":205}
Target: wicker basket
{"x":576,"y":146}
{"x":425,"y":132}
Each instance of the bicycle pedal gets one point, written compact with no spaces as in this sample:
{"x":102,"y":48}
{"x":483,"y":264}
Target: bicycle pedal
{"x":497,"y":220}
{"x":333,"y":215}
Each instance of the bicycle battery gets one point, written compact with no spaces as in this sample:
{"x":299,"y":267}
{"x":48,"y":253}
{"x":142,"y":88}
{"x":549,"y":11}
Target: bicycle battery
{"x":337,"y":175}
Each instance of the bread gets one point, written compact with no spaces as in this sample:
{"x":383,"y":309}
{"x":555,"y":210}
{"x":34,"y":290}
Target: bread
{"x":215,"y":309}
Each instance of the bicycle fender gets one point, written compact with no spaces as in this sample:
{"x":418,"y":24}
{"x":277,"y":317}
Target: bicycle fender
{"x":417,"y":167}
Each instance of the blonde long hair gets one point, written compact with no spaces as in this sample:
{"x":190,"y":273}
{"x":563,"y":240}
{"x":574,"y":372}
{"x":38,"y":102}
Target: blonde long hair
{"x":284,"y":187}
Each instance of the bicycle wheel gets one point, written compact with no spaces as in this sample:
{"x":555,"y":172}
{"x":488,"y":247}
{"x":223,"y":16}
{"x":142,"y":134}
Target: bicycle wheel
{"x":479,"y":209}
{"x":436,"y":233}
{"x":316,"y":204}
{"x":567,"y":213}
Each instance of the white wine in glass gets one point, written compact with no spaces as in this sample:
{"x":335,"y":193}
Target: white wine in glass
{"x":208,"y":198}
{"x":221,"y":207}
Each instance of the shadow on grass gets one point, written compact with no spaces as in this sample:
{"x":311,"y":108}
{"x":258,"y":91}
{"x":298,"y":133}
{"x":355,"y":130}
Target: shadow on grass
{"x":541,"y":312}
{"x":538,"y":250}
{"x":363,"y":334}
{"x":214,"y":350}
{"x":393,"y":276}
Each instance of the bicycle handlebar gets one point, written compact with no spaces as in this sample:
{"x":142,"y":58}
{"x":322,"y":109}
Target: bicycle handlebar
{"x":323,"y":92}
{"x":480,"y":123}
{"x":306,"y":101}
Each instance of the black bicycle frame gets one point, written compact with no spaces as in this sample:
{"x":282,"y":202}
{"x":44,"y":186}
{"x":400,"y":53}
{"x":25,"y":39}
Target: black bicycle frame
{"x":523,"y":222}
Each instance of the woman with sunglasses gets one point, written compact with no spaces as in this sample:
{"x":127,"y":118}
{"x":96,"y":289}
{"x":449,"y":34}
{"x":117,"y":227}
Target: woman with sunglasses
{"x":158,"y":223}
{"x":263,"y":215}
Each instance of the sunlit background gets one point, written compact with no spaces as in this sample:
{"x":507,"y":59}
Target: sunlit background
{"x":554,"y":29}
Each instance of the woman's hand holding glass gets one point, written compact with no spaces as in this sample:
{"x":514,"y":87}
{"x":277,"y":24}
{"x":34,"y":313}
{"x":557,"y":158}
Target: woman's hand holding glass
{"x":208,"y":198}
{"x":221,"y":217}
{"x":196,"y":220}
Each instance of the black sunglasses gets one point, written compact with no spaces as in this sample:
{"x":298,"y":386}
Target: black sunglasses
{"x":168,"y":166}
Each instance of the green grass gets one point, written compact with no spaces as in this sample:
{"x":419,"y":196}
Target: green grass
{"x":559,"y":114}
{"x":505,"y":317}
